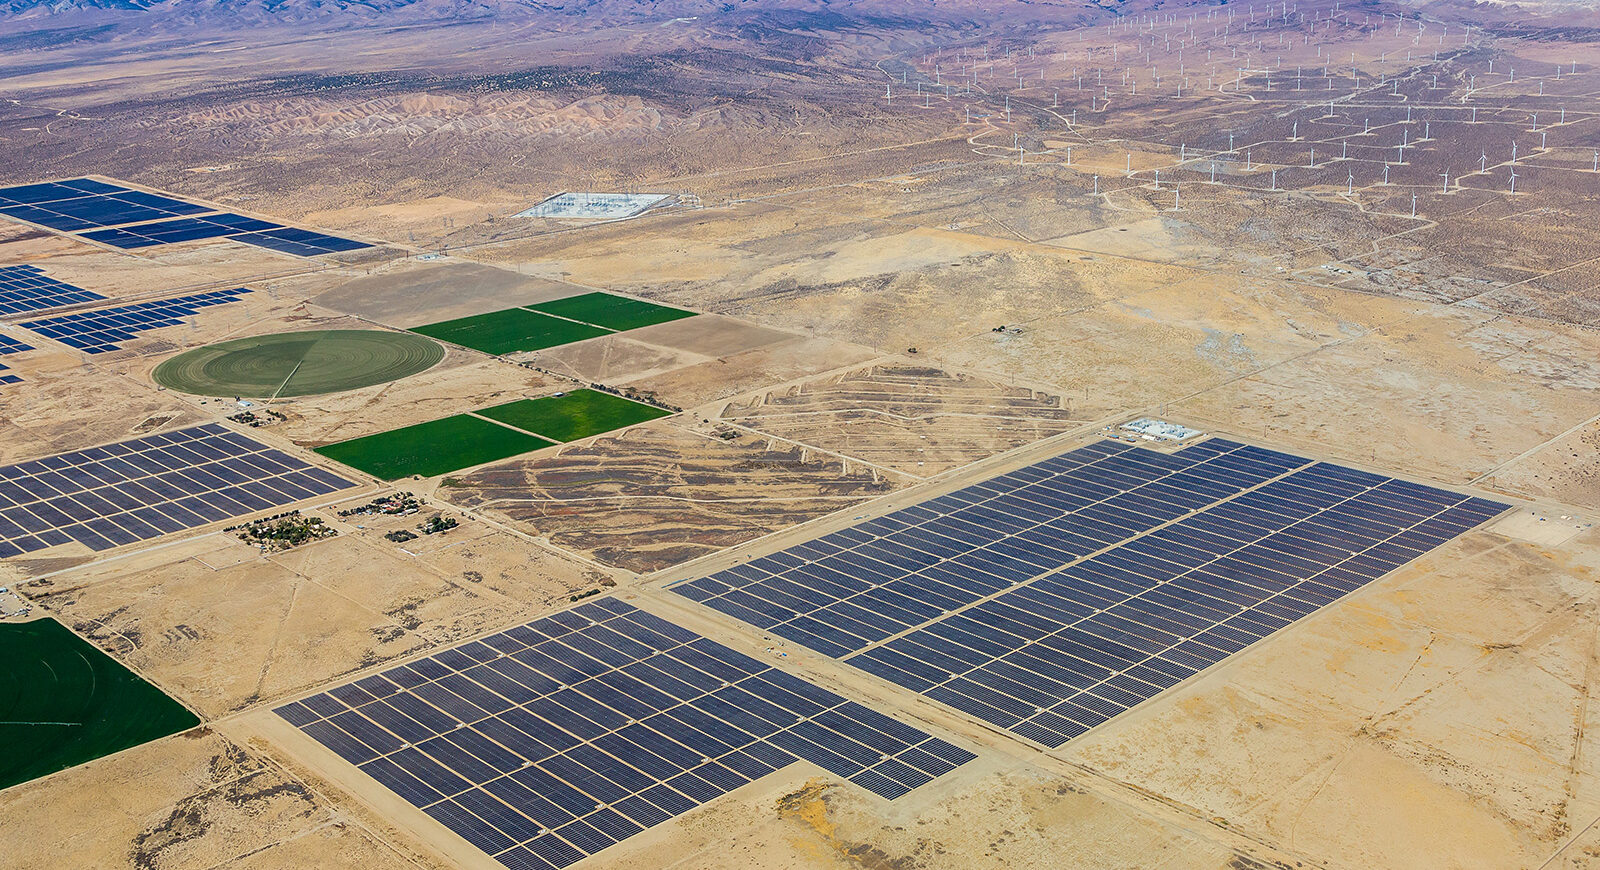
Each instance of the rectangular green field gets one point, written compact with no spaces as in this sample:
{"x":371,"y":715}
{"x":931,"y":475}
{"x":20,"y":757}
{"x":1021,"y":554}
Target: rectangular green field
{"x":509,"y":331}
{"x":432,"y":448}
{"x":64,"y":702}
{"x":577,"y":414}
{"x":611,"y":311}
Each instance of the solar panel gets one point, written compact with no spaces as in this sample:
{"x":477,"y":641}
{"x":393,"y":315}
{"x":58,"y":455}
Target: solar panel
{"x":302,"y":243}
{"x":179,"y":230}
{"x":143,"y":488}
{"x":633,"y":720}
{"x":133,"y":219}
{"x":31,"y":194}
{"x":82,"y":204}
{"x":1050,"y":598}
{"x":9,"y":345}
{"x":105,"y":329}
{"x":26,"y":288}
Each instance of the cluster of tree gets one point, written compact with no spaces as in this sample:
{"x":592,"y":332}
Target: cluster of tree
{"x":284,"y":532}
{"x":438,"y":523}
{"x":398,"y":503}
{"x":256,"y":421}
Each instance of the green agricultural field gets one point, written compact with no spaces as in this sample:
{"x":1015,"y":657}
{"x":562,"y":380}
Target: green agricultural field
{"x":299,"y":363}
{"x":64,"y":702}
{"x":435,"y":447}
{"x":610,"y":311}
{"x":577,"y":414}
{"x":509,"y":331}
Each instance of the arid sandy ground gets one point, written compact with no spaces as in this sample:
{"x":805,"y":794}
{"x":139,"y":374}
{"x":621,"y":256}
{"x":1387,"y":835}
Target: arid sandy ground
{"x":897,"y":297}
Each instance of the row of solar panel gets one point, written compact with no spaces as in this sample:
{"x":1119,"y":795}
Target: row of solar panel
{"x":260,"y":233}
{"x":1054,"y":657}
{"x":554,"y":740}
{"x":91,"y":210}
{"x":958,"y":597}
{"x":9,"y":345}
{"x":178,"y":442}
{"x":25,"y":288}
{"x":180,"y":230}
{"x":863,"y":584}
{"x":55,"y":191}
{"x":301,"y":243}
{"x":100,"y":331}
{"x":132,"y":219}
{"x":140,"y":489}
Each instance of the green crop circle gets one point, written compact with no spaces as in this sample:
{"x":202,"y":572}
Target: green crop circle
{"x":299,"y":363}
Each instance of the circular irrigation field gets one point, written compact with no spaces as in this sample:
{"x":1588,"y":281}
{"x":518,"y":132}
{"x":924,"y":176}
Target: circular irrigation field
{"x":299,"y":363}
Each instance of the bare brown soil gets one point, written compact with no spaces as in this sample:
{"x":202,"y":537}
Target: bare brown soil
{"x":660,"y":494}
{"x":914,"y":419}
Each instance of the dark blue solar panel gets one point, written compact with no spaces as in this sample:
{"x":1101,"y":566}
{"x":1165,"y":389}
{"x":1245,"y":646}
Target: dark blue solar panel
{"x":47,"y":217}
{"x":109,"y":496}
{"x":33,"y":194}
{"x":132,"y":219}
{"x":670,"y":719}
{"x":1174,"y":561}
{"x":180,"y":230}
{"x":303,"y":243}
{"x":85,"y":204}
{"x":103,"y":330}
{"x":26,"y":288}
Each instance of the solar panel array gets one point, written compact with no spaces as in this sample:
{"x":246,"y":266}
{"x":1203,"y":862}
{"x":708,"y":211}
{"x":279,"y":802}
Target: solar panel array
{"x":9,"y":345}
{"x":301,"y":243}
{"x":85,"y":204}
{"x":1056,"y":596}
{"x":131,"y":219}
{"x":101,"y":331}
{"x":26,"y":288}
{"x":179,"y":230}
{"x":135,"y":490}
{"x":554,"y":740}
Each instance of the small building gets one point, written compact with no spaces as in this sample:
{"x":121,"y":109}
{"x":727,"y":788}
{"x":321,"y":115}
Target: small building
{"x":1151,"y":429}
{"x":594,"y":206}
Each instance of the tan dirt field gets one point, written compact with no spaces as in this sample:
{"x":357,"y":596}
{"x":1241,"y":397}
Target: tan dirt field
{"x":231,"y":628}
{"x":917,"y":420}
{"x":901,"y":296}
{"x":665,"y":493}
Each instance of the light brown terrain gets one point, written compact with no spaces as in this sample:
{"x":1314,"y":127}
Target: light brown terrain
{"x":914,"y":419}
{"x":660,"y":494}
{"x":899,"y":296}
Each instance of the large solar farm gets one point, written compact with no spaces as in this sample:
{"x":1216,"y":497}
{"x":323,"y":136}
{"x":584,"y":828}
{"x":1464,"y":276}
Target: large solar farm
{"x":888,"y":436}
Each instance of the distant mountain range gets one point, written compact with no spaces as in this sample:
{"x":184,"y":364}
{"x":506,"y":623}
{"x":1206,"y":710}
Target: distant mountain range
{"x":209,"y":8}
{"x":607,"y":8}
{"x":590,"y":11}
